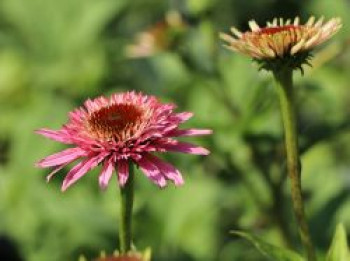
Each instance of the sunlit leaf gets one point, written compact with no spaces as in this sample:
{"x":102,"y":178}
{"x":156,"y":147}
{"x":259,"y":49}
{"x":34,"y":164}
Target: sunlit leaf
{"x":268,"y":250}
{"x":339,"y":250}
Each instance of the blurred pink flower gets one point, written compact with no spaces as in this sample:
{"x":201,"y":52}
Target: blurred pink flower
{"x":113,"y":131}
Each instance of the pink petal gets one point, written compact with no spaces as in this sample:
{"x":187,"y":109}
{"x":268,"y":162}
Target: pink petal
{"x":90,"y":105}
{"x":123,"y":172}
{"x":58,"y":135}
{"x":63,"y":157}
{"x":189,"y":132}
{"x":184,"y":147}
{"x":152,"y":172}
{"x":167,"y":169}
{"x":182,"y":117}
{"x":106,"y":172}
{"x":80,"y":170}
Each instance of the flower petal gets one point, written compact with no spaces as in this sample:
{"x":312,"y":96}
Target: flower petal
{"x":184,"y":147}
{"x":57,"y":135}
{"x":182,"y":116}
{"x":123,"y":172}
{"x":63,"y":157}
{"x":106,"y":172}
{"x":167,"y":169}
{"x":189,"y":132}
{"x":152,"y":172}
{"x":80,"y":170}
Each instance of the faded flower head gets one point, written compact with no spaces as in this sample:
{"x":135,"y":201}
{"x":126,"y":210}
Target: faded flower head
{"x":120,"y":258}
{"x":157,"y":38}
{"x":282,"y":42}
{"x":130,"y":256}
{"x":126,"y":127}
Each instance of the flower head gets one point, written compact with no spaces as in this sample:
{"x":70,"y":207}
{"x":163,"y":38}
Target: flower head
{"x":130,"y":256}
{"x":282,"y":42}
{"x":126,"y":127}
{"x":127,"y":257}
{"x":120,"y":258}
{"x":158,"y":37}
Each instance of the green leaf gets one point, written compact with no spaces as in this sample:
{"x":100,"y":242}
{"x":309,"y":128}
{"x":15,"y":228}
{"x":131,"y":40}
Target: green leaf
{"x":339,"y":250}
{"x":268,"y":250}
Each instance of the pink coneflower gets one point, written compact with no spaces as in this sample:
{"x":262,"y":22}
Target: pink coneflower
{"x":281,"y":38}
{"x":126,"y":127}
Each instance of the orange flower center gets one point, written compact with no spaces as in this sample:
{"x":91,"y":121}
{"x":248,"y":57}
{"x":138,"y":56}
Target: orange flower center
{"x":277,"y":29}
{"x":117,"y":121}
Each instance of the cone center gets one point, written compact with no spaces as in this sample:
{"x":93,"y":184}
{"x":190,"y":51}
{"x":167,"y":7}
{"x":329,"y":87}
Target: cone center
{"x":277,"y":29}
{"x":116,"y":121}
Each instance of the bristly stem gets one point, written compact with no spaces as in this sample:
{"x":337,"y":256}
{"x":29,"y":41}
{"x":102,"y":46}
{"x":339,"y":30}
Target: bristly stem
{"x":126,"y":204}
{"x":284,"y":86}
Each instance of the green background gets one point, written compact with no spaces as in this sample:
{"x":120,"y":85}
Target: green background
{"x":55,"y":54}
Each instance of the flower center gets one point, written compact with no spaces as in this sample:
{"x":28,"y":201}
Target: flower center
{"x":277,"y":29}
{"x":117,"y":121}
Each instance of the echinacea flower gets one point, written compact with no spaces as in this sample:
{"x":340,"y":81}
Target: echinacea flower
{"x":282,"y":42}
{"x":126,"y":127}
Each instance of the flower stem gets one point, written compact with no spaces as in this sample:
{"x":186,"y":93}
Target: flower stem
{"x":127,"y":197}
{"x":284,"y":86}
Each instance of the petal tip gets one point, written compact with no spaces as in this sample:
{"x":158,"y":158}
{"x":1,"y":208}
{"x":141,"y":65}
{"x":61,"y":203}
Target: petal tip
{"x":65,"y":186}
{"x":179,"y":183}
{"x":103,"y":187}
{"x":209,"y":131}
{"x":38,"y":164}
{"x":121,"y":183}
{"x":39,"y":131}
{"x":162,"y":185}
{"x":204,"y":152}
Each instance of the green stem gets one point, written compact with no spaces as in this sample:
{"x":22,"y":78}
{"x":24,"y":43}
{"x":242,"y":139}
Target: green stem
{"x":127,"y":197}
{"x":284,"y":86}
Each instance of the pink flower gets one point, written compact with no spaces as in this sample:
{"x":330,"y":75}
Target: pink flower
{"x":113,"y":131}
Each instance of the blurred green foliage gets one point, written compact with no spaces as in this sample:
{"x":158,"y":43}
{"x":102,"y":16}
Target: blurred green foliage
{"x":55,"y":54}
